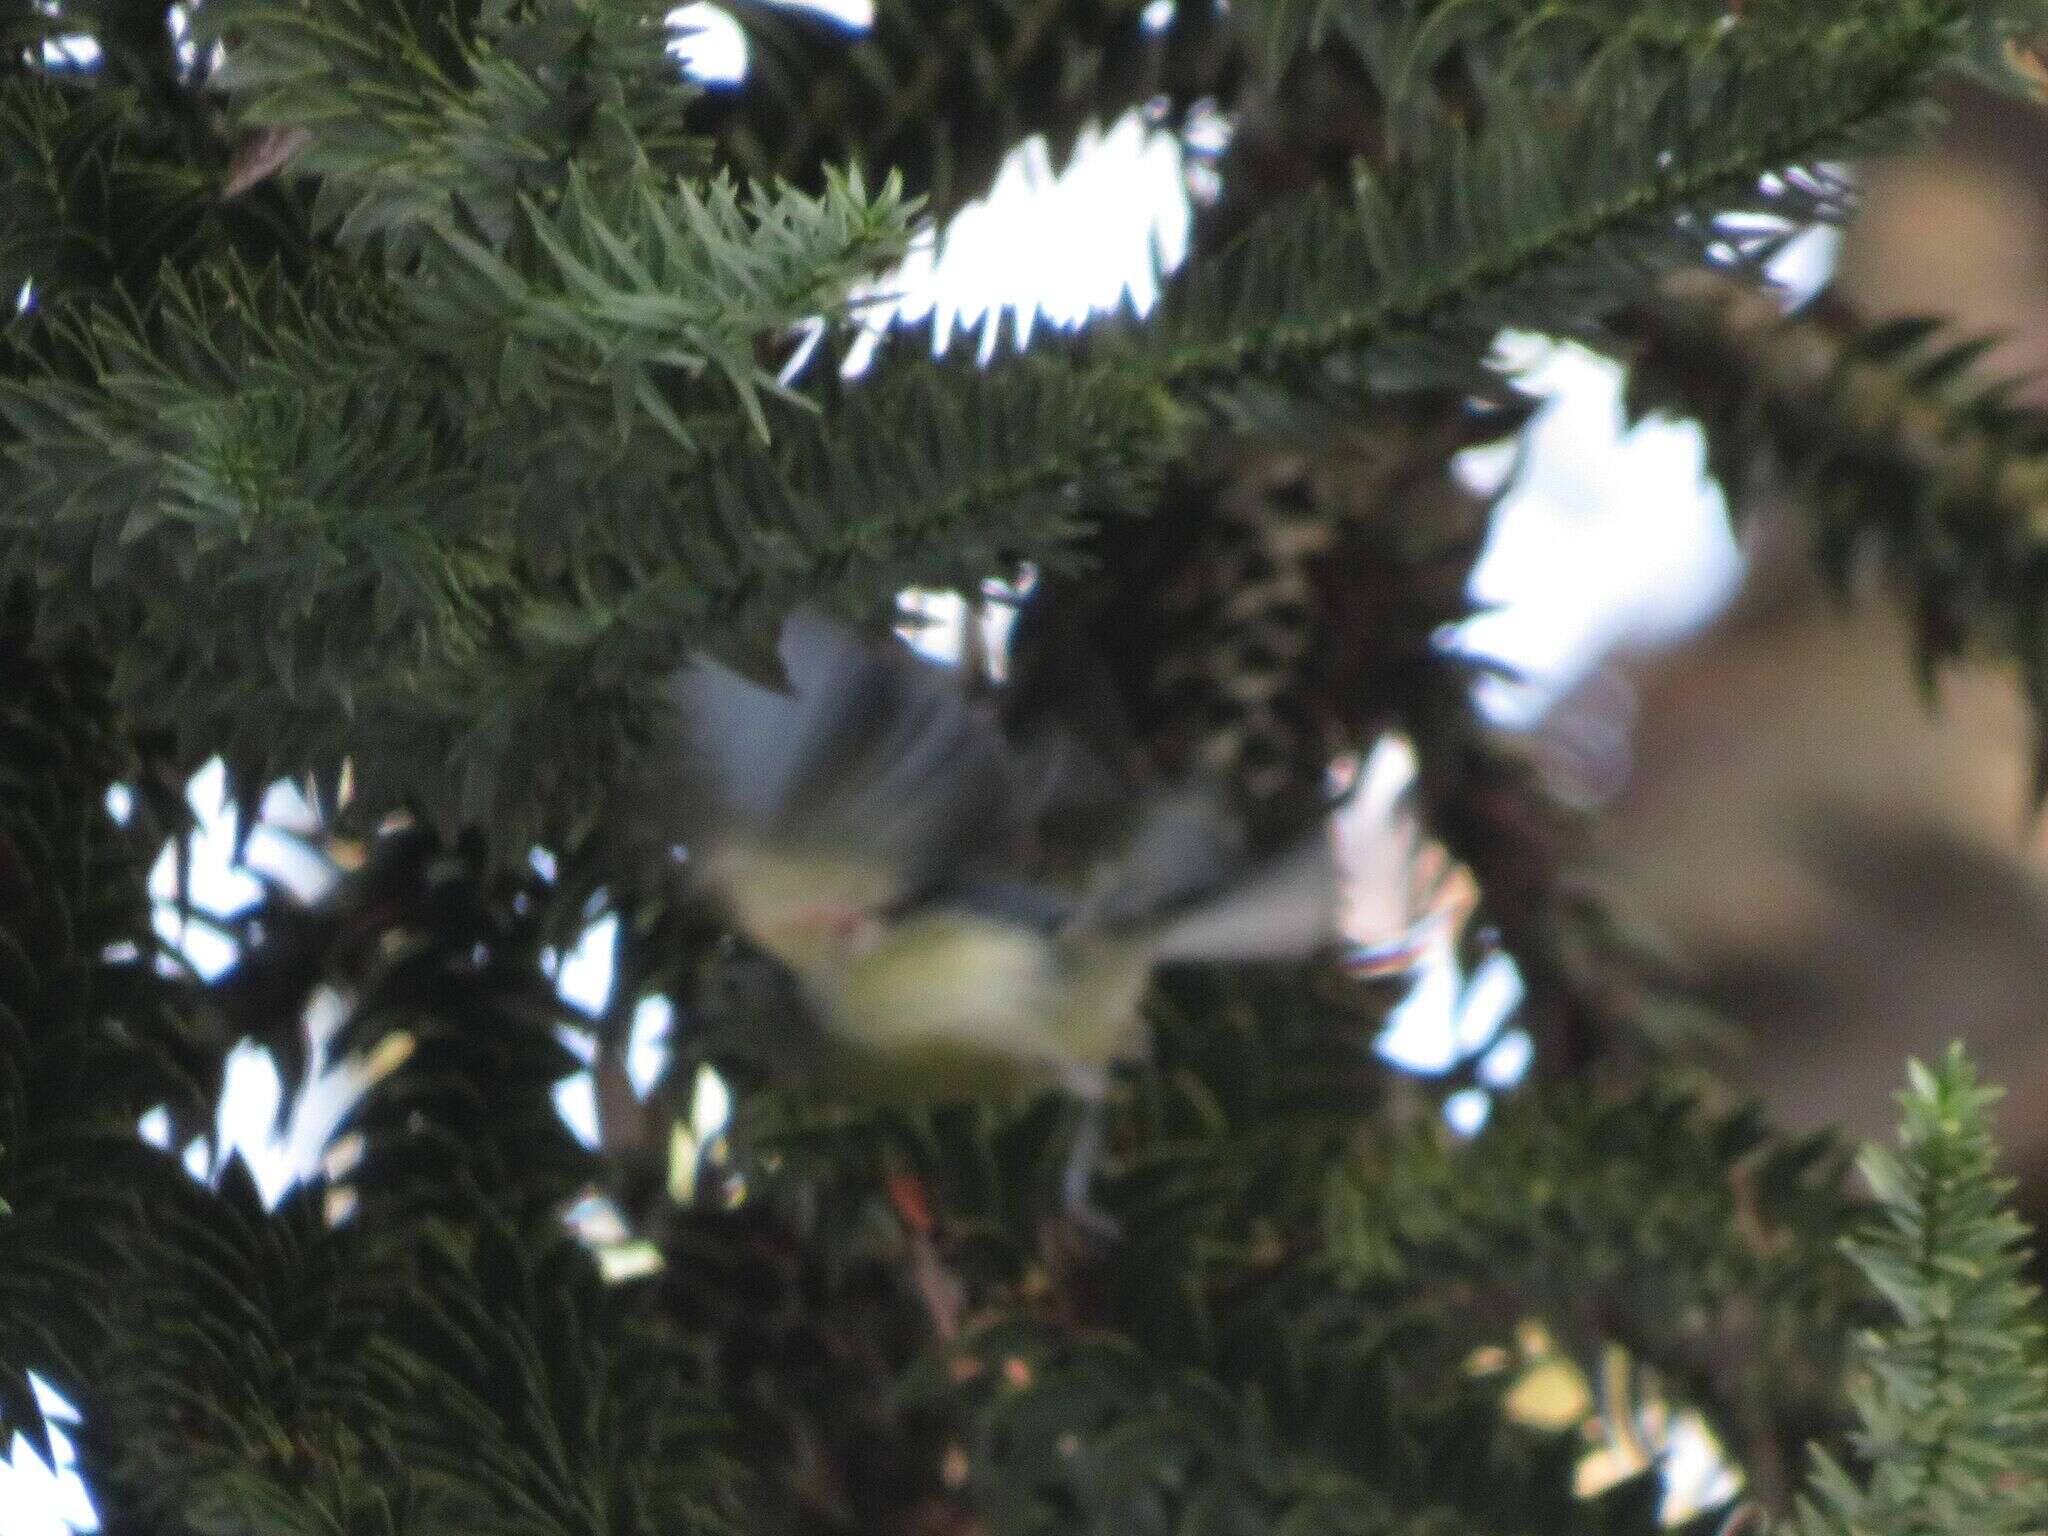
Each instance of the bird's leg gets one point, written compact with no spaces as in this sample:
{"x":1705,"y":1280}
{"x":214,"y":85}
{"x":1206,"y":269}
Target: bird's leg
{"x":1087,"y":1219}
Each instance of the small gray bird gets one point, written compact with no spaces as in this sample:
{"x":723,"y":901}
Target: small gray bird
{"x":968,"y":915}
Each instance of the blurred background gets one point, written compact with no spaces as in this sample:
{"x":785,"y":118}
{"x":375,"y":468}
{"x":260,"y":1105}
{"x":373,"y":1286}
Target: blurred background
{"x":1852,"y":876}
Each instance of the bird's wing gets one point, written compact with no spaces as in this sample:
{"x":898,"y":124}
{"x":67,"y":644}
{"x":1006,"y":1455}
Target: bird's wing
{"x":874,"y":752}
{"x":1286,"y":908}
{"x":1039,"y":906}
{"x":1181,"y":846}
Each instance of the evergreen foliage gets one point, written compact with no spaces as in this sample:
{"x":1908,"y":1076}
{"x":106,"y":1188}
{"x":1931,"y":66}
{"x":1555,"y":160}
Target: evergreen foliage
{"x":434,"y":964}
{"x":518,"y":309}
{"x":1703,"y":1246}
{"x":1952,"y":1391}
{"x":939,"y":93}
{"x":402,"y":389}
{"x":94,"y":1034}
{"x":319,"y":1379}
{"x":1227,"y":1373}
{"x":1904,"y":451}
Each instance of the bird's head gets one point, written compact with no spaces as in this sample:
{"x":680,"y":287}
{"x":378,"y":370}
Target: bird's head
{"x":815,"y":911}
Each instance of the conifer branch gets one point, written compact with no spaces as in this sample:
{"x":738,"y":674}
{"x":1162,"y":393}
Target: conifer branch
{"x":252,"y":429}
{"x":1701,"y":1245}
{"x":1901,"y":448}
{"x":416,"y":125}
{"x":557,"y":619}
{"x":404,"y":1381}
{"x":676,"y":285}
{"x":448,"y":1028}
{"x":239,"y":1384}
{"x":1157,"y":1449}
{"x":1597,"y":989}
{"x":938,"y":93}
{"x":53,"y":173}
{"x":451,"y":485}
{"x":544,"y":1401}
{"x":1408,"y":43}
{"x":1223,"y":1364}
{"x":91,"y":1035}
{"x":1953,"y":1389}
{"x":1527,"y":217}
{"x":98,"y":195}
